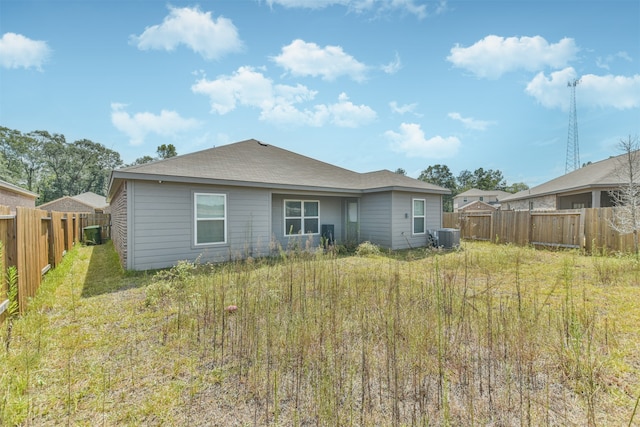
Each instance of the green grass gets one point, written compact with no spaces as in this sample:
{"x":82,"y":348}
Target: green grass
{"x":488,"y":334}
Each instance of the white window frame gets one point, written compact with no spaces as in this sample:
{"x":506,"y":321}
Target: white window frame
{"x":196,"y":220}
{"x":301,"y":217}
{"x":414,"y":216}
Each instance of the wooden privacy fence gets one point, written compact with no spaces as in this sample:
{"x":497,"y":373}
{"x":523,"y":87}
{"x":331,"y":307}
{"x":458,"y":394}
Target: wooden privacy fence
{"x":35,"y":241}
{"x":587,"y":229}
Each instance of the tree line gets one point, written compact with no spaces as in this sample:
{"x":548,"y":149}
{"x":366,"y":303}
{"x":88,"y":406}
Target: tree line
{"x":481,"y":179}
{"x":47,"y":164}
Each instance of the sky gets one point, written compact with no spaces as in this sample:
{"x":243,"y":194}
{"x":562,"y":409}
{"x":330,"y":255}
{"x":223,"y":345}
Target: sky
{"x":362,"y":84}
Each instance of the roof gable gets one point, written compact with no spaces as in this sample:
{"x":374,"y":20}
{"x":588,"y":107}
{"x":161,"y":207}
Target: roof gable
{"x":252,"y":162}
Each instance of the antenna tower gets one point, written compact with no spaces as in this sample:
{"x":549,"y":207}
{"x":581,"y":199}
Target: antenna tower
{"x":573,"y":149}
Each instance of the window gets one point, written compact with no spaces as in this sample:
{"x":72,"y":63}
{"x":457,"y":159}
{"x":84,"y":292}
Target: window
{"x":419,"y":216}
{"x":301,"y":217}
{"x":210,"y":218}
{"x":482,"y":198}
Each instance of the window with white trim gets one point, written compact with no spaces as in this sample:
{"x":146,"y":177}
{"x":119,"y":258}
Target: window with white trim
{"x":210,"y":218}
{"x":419,"y":216}
{"x":301,"y":217}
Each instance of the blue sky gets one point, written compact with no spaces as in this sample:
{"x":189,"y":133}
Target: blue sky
{"x":363,"y":84}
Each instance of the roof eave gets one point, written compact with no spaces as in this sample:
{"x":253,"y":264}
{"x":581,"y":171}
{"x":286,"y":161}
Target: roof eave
{"x":118,"y":176}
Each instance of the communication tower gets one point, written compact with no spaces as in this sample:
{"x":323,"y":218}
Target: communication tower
{"x":573,"y":149}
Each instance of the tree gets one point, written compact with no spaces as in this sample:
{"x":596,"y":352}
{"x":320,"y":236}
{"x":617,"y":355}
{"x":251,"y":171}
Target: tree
{"x":516,"y":186}
{"x":22,"y":158}
{"x":49,"y":165}
{"x":441,"y":175}
{"x":165,"y":151}
{"x":142,"y":160}
{"x":626,"y":213}
{"x":481,"y":179}
{"x":401,"y":171}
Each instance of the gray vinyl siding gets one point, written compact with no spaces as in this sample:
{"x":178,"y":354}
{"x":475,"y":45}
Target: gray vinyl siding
{"x":330,"y":213}
{"x":402,"y":219}
{"x":161,"y":224}
{"x":375,"y":214}
{"x":434,"y":212}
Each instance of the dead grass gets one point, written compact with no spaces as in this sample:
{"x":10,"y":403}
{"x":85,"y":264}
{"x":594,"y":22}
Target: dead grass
{"x":488,"y":335}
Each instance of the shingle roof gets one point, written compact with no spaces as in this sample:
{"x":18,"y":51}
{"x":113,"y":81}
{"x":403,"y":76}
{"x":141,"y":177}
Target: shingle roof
{"x":597,"y":174}
{"x":92,"y":199}
{"x":252,"y":162}
{"x":89,"y":199}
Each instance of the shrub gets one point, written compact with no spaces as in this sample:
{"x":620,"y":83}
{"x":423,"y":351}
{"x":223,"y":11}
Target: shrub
{"x":367,"y":249}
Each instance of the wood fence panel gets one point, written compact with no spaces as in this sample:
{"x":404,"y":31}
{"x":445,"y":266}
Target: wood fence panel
{"x":599,"y":235}
{"x":57,"y":237}
{"x":511,"y":227}
{"x":8,"y":236}
{"x":476,"y":226}
{"x":559,"y":229}
{"x":32,"y":233}
{"x":68,"y":231}
{"x":451,"y":220}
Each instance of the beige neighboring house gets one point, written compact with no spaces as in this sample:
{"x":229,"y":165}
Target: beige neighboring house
{"x":468,"y":200}
{"x":13,"y":196}
{"x":85,"y":202}
{"x":587,"y":187}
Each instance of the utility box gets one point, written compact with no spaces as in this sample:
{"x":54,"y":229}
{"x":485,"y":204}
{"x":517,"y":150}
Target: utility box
{"x":92,"y":235}
{"x":448,"y":238}
{"x":327,"y":232}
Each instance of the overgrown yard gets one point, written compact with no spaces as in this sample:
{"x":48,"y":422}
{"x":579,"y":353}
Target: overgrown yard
{"x":487,"y":335}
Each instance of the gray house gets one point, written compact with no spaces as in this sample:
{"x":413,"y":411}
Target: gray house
{"x":247,"y":198}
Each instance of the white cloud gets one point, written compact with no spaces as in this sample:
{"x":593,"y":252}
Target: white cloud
{"x":493,"y":56}
{"x":470,"y":122}
{"x":411,"y":6}
{"x":604,"y":62}
{"x":608,"y":91}
{"x":211,"y":38}
{"x":138,"y":126}
{"x":394,"y":66}
{"x":402,"y":109}
{"x":245,"y":87}
{"x":18,"y":51}
{"x":411,"y":141}
{"x":278,"y":104}
{"x":308,"y":59}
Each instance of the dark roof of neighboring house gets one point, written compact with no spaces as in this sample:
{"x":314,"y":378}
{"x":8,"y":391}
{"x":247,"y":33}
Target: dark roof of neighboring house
{"x":253,"y":163}
{"x":89,"y":199}
{"x":15,"y":189}
{"x":602,"y":174}
{"x":474,"y":192}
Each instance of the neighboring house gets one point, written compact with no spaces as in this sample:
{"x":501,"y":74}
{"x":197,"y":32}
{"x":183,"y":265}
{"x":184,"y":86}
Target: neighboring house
{"x":249,"y":198}
{"x":85,"y":202}
{"x":13,"y":196}
{"x":587,"y":187}
{"x":489,"y":197}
